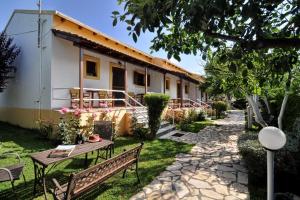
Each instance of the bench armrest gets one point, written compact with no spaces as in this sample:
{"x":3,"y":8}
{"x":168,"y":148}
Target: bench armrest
{"x":7,"y":154}
{"x":57,"y":185}
{"x":8,"y":172}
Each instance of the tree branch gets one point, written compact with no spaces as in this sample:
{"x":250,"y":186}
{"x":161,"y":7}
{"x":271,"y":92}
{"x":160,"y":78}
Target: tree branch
{"x":260,"y":43}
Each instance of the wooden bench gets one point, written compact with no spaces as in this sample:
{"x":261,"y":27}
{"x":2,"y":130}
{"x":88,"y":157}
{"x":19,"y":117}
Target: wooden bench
{"x":85,"y":180}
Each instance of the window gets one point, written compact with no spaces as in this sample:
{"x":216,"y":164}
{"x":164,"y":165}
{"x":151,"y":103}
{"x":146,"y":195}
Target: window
{"x":91,"y":67}
{"x":186,"y":89}
{"x":139,"y":79}
{"x":167,"y":84}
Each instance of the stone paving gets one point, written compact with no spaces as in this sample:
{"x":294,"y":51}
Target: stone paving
{"x":213,"y":169}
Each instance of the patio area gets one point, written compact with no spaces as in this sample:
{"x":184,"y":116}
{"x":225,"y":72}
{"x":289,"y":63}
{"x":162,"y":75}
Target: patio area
{"x":156,"y":155}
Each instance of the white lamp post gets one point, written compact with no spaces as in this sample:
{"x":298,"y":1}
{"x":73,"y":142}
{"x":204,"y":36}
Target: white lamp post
{"x":272,"y":139}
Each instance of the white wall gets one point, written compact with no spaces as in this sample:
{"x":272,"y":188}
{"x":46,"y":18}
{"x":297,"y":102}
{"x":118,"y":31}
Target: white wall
{"x":23,"y":91}
{"x":172,"y":92}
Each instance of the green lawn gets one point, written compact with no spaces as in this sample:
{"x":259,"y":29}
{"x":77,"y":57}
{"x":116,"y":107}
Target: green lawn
{"x":195,"y":127}
{"x":155,"y":157}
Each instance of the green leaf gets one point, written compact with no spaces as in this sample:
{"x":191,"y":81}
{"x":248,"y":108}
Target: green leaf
{"x":177,"y":57}
{"x":115,"y":21}
{"x":115,"y":12}
{"x":134,"y":37}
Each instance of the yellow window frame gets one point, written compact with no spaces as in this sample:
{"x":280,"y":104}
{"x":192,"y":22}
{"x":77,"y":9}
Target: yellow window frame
{"x":168,"y":80}
{"x":92,"y":59}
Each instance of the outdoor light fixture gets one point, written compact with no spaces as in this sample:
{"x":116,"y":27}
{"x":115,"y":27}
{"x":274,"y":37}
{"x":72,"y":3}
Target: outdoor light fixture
{"x":272,"y":139}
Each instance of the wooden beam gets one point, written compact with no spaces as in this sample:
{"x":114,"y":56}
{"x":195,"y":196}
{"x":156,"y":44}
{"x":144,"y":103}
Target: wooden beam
{"x":164,"y":83}
{"x":146,"y":80}
{"x":181,"y":93}
{"x":80,"y":78}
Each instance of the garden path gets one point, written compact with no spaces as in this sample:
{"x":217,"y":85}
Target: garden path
{"x":213,"y":169}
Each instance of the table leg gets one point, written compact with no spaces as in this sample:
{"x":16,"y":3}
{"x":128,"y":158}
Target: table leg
{"x":110,"y":149}
{"x":44,"y":182}
{"x":39,"y":178}
{"x":98,"y":152}
{"x":35,"y":177}
{"x":86,"y":159}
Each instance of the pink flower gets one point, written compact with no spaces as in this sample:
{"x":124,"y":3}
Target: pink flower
{"x":77,"y":112}
{"x":88,"y":110}
{"x":63,"y":110}
{"x":103,"y":105}
{"x":108,"y":110}
{"x":94,"y":115}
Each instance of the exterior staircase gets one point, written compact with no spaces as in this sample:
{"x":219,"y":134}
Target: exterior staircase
{"x":141,"y":115}
{"x":165,"y":128}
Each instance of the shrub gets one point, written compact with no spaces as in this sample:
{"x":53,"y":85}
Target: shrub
{"x":138,"y":129}
{"x":45,"y":128}
{"x":219,"y":106}
{"x":201,"y":116}
{"x":156,"y":103}
{"x":239,"y":104}
{"x":287,"y":161}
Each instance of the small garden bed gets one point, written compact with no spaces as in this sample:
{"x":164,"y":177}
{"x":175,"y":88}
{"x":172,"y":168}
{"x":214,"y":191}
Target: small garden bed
{"x":195,"y":127}
{"x":155,"y":157}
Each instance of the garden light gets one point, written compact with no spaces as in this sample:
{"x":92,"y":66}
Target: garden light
{"x":272,"y":139}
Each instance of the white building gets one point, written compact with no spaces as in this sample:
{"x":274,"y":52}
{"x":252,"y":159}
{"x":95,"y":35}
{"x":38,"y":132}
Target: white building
{"x":73,"y":55}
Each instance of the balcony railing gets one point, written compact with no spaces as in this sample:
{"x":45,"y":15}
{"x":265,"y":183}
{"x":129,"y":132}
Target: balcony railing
{"x":92,"y":96}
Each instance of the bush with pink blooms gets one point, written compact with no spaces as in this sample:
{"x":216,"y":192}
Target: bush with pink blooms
{"x":70,"y":129}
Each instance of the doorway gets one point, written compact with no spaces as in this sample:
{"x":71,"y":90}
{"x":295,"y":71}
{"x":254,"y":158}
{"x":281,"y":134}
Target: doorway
{"x":179,"y":90}
{"x":118,"y":83}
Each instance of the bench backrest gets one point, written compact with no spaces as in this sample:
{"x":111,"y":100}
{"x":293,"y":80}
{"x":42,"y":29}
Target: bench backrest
{"x":97,"y":174}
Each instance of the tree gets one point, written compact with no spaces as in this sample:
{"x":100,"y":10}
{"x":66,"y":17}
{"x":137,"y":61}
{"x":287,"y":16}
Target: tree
{"x":8,"y":54}
{"x":187,"y":26}
{"x":253,"y":74}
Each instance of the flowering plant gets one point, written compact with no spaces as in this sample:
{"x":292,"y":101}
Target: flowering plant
{"x":69,"y":125}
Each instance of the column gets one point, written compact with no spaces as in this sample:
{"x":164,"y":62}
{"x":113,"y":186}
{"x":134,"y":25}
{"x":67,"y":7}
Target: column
{"x":164,"y":83}
{"x":181,"y":93}
{"x":80,"y":78}
{"x":146,"y":80}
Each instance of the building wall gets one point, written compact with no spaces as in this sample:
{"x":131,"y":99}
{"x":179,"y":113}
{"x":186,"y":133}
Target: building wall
{"x":23,"y":92}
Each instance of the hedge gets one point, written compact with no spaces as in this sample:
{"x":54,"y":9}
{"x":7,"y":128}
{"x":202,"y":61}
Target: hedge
{"x":156,"y":103}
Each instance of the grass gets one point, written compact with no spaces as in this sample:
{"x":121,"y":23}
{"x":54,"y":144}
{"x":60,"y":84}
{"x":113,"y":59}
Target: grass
{"x":195,"y":127}
{"x":156,"y":155}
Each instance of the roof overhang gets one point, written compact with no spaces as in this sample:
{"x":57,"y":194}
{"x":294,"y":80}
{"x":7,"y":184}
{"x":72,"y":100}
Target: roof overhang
{"x":98,"y":48}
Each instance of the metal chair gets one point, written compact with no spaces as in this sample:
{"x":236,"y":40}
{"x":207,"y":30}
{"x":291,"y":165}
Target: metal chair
{"x":74,"y":93}
{"x":105,"y":95}
{"x":12,"y":172}
{"x":105,"y":129}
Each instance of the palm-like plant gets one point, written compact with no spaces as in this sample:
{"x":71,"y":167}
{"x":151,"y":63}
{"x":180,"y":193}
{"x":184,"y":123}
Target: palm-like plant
{"x":8,"y":54}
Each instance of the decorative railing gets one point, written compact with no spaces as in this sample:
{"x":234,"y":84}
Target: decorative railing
{"x":65,"y":95}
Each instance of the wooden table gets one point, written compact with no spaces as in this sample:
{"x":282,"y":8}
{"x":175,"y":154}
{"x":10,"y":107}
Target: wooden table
{"x":41,"y":160}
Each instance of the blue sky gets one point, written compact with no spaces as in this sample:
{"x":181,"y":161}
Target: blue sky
{"x":97,"y":14}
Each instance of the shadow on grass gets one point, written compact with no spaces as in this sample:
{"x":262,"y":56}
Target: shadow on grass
{"x":156,"y":155}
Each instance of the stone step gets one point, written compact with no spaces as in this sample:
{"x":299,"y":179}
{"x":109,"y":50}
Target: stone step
{"x":165,"y":130}
{"x":164,"y":124}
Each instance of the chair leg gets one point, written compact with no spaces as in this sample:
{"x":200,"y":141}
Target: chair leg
{"x":13,"y":189}
{"x":24,"y":178}
{"x":136,"y":171}
{"x":124,"y":173}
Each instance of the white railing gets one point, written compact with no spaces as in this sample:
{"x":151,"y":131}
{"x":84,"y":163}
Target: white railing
{"x":67,"y":96}
{"x":185,"y":103}
{"x":204,"y":103}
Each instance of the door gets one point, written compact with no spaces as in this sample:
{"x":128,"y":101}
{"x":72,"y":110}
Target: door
{"x":179,"y":90}
{"x":118,"y":83}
